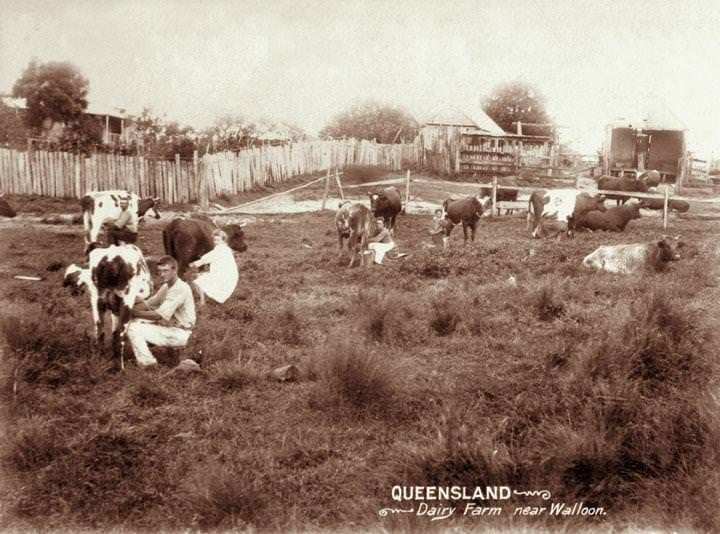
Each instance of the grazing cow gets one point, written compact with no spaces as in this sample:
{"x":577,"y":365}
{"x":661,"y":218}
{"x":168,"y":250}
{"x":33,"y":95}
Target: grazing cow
{"x":633,"y":258}
{"x":555,"y":211}
{"x":115,"y":277}
{"x":502,"y":195}
{"x":466,"y":211}
{"x":650,"y":178}
{"x":356,"y":223}
{"x":625,"y":184}
{"x":659,"y":203}
{"x":188,"y":239}
{"x":612,"y":220}
{"x":5,"y":209}
{"x":386,"y":205}
{"x":98,"y":206}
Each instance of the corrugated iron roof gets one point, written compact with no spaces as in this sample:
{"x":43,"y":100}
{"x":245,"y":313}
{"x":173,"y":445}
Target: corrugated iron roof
{"x":651,"y":114}
{"x":455,"y":116}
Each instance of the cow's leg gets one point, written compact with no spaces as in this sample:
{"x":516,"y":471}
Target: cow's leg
{"x":465,"y":232}
{"x":340,"y":245}
{"x":473,"y":227}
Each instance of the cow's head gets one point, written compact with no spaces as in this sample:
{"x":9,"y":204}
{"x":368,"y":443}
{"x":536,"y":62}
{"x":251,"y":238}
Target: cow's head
{"x":236,"y":236}
{"x":376,"y":200}
{"x":148,"y":204}
{"x":74,"y":279}
{"x":650,"y":178}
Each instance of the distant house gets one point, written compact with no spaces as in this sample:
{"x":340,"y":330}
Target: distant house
{"x":652,"y":138}
{"x":117,"y":129}
{"x":469,"y":142}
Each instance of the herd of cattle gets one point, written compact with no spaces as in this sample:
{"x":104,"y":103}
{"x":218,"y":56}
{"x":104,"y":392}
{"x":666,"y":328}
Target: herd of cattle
{"x":116,"y":275}
{"x":550,"y":213}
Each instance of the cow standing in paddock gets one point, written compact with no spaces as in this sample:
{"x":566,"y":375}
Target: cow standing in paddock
{"x":115,"y":278}
{"x":612,"y":220}
{"x":552,"y":212}
{"x":356,"y":223}
{"x":386,"y":204}
{"x":625,"y":184}
{"x":99,"y":206}
{"x":466,"y":211}
{"x":187,"y":240}
{"x":627,"y":259}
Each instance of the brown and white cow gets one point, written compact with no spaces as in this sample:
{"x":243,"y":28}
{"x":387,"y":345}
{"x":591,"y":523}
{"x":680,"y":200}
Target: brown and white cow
{"x":627,"y":259}
{"x":555,"y":211}
{"x":99,"y":206}
{"x":115,"y":277}
{"x":356,"y":223}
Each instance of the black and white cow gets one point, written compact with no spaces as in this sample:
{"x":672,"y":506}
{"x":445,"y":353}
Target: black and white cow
{"x":115,"y":277}
{"x":99,"y":206}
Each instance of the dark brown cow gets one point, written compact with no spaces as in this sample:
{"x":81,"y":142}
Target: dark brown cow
{"x":659,"y":203}
{"x":187,"y":240}
{"x":356,"y":223}
{"x":552,"y":212}
{"x":466,"y":211}
{"x":386,"y":204}
{"x":627,"y":185}
{"x":5,"y":209}
{"x":613,"y":220}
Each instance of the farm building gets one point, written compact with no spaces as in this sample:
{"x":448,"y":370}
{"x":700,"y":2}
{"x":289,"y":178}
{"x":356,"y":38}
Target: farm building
{"x":117,"y":130}
{"x":459,"y":142}
{"x":654,"y":139}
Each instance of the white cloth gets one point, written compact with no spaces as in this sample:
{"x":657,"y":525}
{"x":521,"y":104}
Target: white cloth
{"x":220,"y":281}
{"x":141,"y":332}
{"x":380,"y":249}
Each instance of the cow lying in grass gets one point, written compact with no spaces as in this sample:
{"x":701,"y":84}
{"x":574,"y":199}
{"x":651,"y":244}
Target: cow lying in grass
{"x":680,"y":206}
{"x":115,"y":277}
{"x":634,"y":258}
{"x":5,"y":209}
{"x":612,"y":220}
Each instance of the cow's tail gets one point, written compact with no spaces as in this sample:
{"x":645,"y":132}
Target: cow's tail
{"x":168,"y":242}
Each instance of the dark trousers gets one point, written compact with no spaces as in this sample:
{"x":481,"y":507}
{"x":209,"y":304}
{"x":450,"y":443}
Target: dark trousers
{"x":114,"y":235}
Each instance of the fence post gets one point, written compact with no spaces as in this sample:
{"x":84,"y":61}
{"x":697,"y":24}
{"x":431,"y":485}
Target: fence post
{"x":494,"y":197}
{"x":339,"y":184}
{"x":407,"y":192}
{"x":327,"y":188}
{"x":665,"y":209}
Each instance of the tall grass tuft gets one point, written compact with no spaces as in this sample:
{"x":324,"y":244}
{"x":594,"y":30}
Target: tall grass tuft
{"x":287,"y":326}
{"x":350,"y":374}
{"x":445,"y":314}
{"x":383,"y":317}
{"x":546,"y":301}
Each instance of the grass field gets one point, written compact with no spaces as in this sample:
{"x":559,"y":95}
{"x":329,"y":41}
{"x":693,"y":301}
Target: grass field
{"x":504,"y":363}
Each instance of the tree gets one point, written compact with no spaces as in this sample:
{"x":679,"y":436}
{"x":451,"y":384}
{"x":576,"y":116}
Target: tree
{"x":55,"y":91}
{"x":13,"y":132}
{"x":518,"y":101}
{"x":372,"y":120}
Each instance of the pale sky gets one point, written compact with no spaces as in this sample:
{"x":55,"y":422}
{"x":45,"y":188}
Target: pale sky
{"x":305,"y":61}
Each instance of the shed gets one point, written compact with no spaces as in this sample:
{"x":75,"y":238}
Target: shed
{"x":653,"y":139}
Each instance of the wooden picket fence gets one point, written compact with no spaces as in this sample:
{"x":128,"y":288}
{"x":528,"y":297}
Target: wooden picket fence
{"x":60,"y":174}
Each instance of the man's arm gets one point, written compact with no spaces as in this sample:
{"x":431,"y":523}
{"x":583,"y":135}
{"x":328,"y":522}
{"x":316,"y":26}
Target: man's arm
{"x":123,"y":219}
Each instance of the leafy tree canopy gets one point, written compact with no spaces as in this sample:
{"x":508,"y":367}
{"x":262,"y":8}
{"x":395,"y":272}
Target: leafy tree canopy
{"x":518,"y":101}
{"x":372,"y":120}
{"x":55,"y":90}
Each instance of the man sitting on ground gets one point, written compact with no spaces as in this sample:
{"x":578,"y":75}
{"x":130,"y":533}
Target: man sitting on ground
{"x":125,"y":228}
{"x":166,"y":319}
{"x":381,"y":242}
